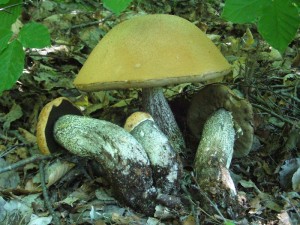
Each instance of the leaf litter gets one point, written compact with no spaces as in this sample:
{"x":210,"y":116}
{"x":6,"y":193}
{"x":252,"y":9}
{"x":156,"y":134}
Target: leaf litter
{"x":267,"y":179}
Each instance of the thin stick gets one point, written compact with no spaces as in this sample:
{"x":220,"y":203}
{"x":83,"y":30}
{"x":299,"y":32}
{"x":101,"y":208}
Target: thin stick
{"x":10,"y":6}
{"x":193,"y":205}
{"x":46,"y":196}
{"x":275,"y":114}
{"x":24,"y":162}
{"x":208,"y":199}
{"x":92,"y":23}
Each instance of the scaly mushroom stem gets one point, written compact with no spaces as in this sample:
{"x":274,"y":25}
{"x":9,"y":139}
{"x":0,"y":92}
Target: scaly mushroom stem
{"x":215,"y":152}
{"x":120,"y":155}
{"x":155,"y":103}
{"x":166,"y":166}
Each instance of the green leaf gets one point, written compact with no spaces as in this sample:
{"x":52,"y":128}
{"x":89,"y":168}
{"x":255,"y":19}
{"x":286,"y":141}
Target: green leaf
{"x":228,"y":222}
{"x":34,"y":35}
{"x":247,"y":184}
{"x":5,"y":35}
{"x":4,"y":1}
{"x":296,"y":1}
{"x":11,"y":66}
{"x":244,"y":11}
{"x":116,"y":6}
{"x":279,"y":24}
{"x":14,"y":113}
{"x":11,"y":10}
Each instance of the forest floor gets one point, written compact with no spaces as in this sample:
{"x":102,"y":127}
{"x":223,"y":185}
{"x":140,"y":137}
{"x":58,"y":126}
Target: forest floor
{"x":265,"y":179}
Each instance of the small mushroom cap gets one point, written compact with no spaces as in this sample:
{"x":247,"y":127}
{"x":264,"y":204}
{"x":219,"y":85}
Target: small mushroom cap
{"x":47,"y":118}
{"x":151,"y":50}
{"x":213,"y":97}
{"x":135,"y":119}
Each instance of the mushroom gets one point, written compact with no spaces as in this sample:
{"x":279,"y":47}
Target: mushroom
{"x":216,"y":96}
{"x":215,"y":152}
{"x":149,"y":52}
{"x":223,"y":121}
{"x":166,"y":166}
{"x":119,"y":154}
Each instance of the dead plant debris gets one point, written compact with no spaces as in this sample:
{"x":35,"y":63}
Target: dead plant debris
{"x":75,"y":192}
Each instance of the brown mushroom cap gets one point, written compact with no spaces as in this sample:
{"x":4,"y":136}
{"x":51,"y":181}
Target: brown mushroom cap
{"x":213,"y":97}
{"x":47,"y":118}
{"x":151,"y":50}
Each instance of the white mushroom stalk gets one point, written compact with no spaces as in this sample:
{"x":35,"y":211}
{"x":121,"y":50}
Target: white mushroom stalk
{"x":166,"y":166}
{"x":155,"y":103}
{"x":215,"y":152}
{"x":121,"y":156}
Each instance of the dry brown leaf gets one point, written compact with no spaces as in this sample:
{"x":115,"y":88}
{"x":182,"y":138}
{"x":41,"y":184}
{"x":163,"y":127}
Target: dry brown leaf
{"x":57,"y":171}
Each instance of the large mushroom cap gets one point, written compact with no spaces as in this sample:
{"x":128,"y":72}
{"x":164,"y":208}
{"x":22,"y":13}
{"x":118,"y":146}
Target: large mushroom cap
{"x":151,"y":50}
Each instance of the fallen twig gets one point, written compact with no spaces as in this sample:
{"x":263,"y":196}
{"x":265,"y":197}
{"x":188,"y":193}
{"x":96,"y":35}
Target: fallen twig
{"x":47,"y":201}
{"x":276,"y":115}
{"x":24,"y":162}
{"x":91,"y":23}
{"x":194,"y":206}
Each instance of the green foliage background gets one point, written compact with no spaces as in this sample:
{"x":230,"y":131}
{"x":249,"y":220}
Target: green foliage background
{"x":277,"y":20}
{"x":12,"y":54}
{"x":116,"y":6}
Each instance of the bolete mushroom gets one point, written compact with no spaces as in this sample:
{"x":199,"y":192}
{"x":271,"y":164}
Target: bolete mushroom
{"x":216,"y":96}
{"x":223,"y":122}
{"x":118,"y":153}
{"x":215,"y":150}
{"x":149,"y":52}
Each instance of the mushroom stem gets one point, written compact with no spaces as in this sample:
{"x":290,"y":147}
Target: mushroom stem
{"x":214,"y":154}
{"x":166,"y":166}
{"x":121,"y":156}
{"x":155,"y":103}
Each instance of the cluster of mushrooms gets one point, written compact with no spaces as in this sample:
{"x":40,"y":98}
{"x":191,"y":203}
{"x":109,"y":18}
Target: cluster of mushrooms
{"x":141,"y":160}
